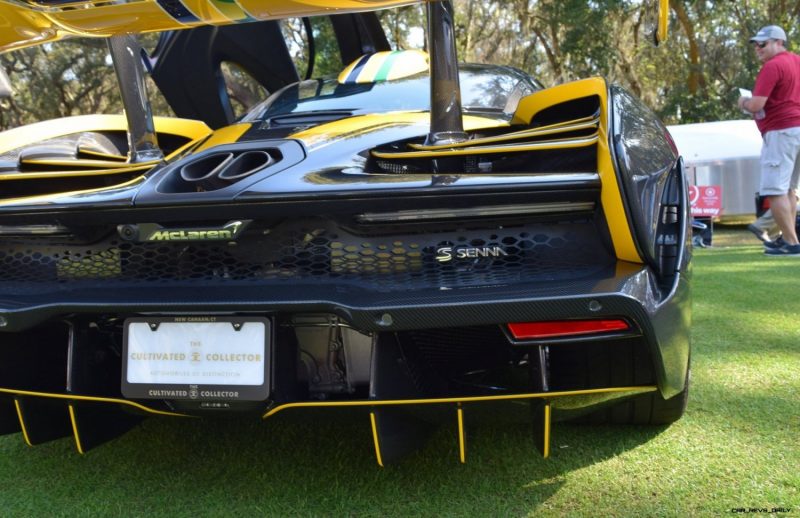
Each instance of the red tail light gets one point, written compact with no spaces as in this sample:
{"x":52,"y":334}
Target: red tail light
{"x":561,"y":328}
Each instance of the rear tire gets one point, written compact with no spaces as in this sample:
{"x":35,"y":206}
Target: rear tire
{"x":646,"y":409}
{"x":667,"y":411}
{"x":623,"y":363}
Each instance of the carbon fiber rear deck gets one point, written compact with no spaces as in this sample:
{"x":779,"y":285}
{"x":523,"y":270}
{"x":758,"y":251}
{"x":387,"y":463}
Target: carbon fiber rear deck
{"x":314,"y":252}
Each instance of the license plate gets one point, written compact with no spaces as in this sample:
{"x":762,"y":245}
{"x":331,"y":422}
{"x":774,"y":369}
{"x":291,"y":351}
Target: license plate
{"x":196,"y":358}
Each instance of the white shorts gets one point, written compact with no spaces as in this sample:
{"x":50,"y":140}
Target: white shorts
{"x":780,"y":162}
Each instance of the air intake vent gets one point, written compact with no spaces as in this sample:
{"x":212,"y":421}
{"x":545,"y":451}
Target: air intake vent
{"x":76,"y":162}
{"x":560,"y":139}
{"x":221,"y":167}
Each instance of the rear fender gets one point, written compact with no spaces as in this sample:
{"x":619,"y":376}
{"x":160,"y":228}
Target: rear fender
{"x":588,"y":97}
{"x":45,"y":130}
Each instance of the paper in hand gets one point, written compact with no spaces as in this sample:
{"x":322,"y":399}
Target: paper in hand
{"x":744,"y":92}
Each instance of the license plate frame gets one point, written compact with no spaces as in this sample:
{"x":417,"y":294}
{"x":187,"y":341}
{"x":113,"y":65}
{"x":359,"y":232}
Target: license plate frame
{"x":192,"y":357}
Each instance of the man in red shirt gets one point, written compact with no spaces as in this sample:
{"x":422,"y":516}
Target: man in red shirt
{"x":775,"y":104}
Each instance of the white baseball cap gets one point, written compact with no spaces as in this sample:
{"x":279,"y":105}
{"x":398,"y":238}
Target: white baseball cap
{"x":770,"y":32}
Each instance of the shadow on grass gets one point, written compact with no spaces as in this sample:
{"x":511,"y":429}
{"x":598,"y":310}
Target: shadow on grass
{"x":302,"y":463}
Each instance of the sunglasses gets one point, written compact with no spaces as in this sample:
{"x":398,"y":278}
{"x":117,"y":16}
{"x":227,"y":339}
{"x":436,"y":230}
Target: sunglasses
{"x":761,"y":44}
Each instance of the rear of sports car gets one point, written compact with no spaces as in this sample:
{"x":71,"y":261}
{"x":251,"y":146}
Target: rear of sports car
{"x":329,"y":251}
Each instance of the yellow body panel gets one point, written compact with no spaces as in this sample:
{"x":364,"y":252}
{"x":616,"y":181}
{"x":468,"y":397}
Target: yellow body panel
{"x":225,"y":135}
{"x":611,"y":197}
{"x":265,"y":9}
{"x":87,"y":163}
{"x":206,"y":10}
{"x":72,"y":173}
{"x":40,"y":131}
{"x":24,"y":23}
{"x":385,"y":66}
{"x":326,"y":134}
{"x":232,"y":11}
{"x":541,"y":131}
{"x":23,"y":27}
{"x":500,"y":148}
{"x":103,"y":156}
{"x":110,"y":19}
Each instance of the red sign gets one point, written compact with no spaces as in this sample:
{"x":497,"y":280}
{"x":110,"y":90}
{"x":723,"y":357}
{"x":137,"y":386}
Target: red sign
{"x":706,"y":200}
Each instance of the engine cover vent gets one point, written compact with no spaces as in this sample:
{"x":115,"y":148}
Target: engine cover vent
{"x":223,"y":166}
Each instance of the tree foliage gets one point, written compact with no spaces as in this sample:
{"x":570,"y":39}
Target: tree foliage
{"x":52,"y":81}
{"x":692,"y":77}
{"x":74,"y":77}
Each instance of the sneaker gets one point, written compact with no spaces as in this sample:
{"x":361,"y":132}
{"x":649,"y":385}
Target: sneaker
{"x":762,"y":235}
{"x":786,"y":250}
{"x":774,"y":245}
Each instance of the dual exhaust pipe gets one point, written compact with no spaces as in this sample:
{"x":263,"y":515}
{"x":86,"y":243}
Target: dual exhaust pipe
{"x":220,"y":170}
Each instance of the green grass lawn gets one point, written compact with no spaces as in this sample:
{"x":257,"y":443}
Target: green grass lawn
{"x":737,"y":446}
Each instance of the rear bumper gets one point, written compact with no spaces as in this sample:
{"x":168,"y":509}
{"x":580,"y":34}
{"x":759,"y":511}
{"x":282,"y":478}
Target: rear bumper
{"x":87,"y":406}
{"x":624,"y":290}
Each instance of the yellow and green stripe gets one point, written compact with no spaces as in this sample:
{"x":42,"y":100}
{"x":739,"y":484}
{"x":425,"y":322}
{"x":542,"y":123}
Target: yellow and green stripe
{"x":231,"y":10}
{"x":384,"y":66}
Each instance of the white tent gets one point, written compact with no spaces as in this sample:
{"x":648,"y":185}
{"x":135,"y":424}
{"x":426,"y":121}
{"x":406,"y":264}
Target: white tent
{"x":714,"y":141}
{"x":726,"y":154}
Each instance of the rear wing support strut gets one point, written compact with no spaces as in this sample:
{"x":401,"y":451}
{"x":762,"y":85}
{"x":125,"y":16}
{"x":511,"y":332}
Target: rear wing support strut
{"x":446,"y":124}
{"x":142,"y":142}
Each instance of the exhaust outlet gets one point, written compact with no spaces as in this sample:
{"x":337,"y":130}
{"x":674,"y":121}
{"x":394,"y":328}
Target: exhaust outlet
{"x":204,"y":173}
{"x":220,"y":168}
{"x":244,"y":165}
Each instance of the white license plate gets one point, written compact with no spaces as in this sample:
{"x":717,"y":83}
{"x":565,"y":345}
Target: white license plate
{"x":201,"y":358}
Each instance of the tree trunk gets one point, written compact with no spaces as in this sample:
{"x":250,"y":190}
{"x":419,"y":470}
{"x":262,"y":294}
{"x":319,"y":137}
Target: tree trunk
{"x":696,"y":78}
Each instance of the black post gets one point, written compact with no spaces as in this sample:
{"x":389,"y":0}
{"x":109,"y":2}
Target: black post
{"x":142,"y":142}
{"x":446,"y":124}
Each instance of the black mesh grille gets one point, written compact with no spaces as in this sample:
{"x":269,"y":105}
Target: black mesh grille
{"x":315,"y":252}
{"x":459,"y":349}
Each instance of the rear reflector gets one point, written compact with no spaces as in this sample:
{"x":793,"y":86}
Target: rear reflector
{"x":560,"y":328}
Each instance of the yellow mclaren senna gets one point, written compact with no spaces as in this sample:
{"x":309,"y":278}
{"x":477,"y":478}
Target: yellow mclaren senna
{"x":414,"y":237}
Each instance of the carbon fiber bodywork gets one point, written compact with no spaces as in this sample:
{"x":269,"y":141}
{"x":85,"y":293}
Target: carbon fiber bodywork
{"x":387,"y":253}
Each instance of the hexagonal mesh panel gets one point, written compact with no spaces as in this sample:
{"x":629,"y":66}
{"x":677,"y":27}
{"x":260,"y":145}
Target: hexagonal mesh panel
{"x":316,"y":251}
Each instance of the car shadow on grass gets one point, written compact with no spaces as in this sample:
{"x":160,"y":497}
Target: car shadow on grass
{"x":308,"y":463}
